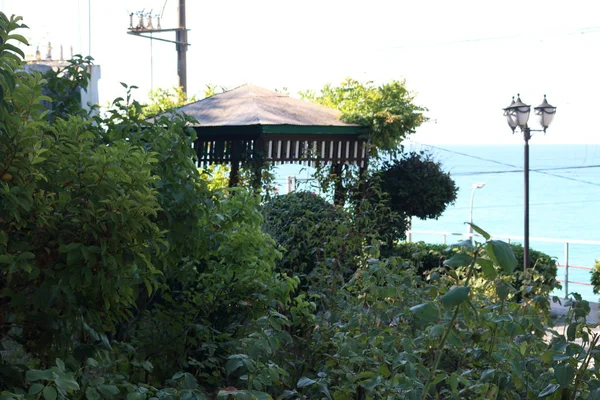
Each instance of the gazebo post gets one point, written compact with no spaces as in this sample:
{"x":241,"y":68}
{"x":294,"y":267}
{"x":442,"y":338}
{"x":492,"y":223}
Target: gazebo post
{"x":258,"y":158}
{"x":339,"y":191}
{"x":234,"y":173}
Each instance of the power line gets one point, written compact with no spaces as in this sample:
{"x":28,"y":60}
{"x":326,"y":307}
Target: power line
{"x":163,"y":9}
{"x":532,"y":204}
{"x":507,"y":165}
{"x":520,"y":170}
{"x":562,"y":33}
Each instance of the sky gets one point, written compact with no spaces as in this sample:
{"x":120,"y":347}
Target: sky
{"x":463,"y":59}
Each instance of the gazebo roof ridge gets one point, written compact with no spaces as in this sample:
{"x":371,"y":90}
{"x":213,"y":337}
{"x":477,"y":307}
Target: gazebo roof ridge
{"x":252,"y":105}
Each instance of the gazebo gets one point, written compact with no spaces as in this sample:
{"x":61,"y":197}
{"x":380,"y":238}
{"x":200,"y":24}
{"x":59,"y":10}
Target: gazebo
{"x":253,"y":126}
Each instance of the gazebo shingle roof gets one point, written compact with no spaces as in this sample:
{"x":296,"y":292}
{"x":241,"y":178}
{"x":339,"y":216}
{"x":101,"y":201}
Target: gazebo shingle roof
{"x":252,"y":105}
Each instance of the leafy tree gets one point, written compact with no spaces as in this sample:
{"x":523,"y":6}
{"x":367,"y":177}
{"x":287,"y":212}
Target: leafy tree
{"x":417,"y":186}
{"x":124,"y":275}
{"x":161,"y":100}
{"x":64,"y":87}
{"x":413,"y":185}
{"x":388,"y":111}
{"x":77,"y":226}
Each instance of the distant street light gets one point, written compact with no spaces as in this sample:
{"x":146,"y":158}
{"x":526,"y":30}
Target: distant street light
{"x":477,"y":185}
{"x":517,"y":115}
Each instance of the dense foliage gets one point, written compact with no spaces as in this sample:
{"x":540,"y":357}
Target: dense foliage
{"x":417,"y":185}
{"x":412,"y":185}
{"x":429,"y":257}
{"x":387,"y":111}
{"x":161,"y":100}
{"x":110,"y":241}
{"x":123,"y":275}
{"x":595,"y":278}
{"x":309,"y":229}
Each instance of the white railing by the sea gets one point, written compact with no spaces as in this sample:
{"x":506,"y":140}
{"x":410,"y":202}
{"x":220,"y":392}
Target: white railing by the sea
{"x":566,"y":265}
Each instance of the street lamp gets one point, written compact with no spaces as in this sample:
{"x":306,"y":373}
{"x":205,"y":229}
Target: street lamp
{"x":517,"y":115}
{"x":477,"y":185}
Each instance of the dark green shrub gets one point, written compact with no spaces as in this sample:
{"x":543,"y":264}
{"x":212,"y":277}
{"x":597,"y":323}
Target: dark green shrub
{"x":542,"y":273}
{"x":595,"y":280}
{"x":309,"y":229}
{"x":427,"y":256}
{"x":417,"y":185}
{"x":424,"y":256}
{"x":413,"y":185}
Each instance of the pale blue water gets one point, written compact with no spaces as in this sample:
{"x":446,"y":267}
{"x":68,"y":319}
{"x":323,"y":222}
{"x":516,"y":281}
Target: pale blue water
{"x":564,"y":203}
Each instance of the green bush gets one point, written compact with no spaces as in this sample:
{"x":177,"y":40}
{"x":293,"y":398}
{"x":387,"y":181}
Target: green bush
{"x":424,"y":256}
{"x":123,"y":276}
{"x":542,"y":272}
{"x":595,"y":279}
{"x":427,"y":256}
{"x":309,"y":229}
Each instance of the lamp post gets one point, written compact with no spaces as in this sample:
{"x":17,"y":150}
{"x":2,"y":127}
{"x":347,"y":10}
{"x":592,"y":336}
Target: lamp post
{"x":477,"y":185}
{"x":517,"y":115}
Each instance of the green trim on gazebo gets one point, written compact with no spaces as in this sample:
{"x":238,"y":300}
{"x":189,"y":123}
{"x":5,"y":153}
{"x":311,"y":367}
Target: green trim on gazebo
{"x":216,"y":132}
{"x":251,"y":125}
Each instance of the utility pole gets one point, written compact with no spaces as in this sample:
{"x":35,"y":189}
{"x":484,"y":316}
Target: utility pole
{"x":182,"y":45}
{"x":145,"y":26}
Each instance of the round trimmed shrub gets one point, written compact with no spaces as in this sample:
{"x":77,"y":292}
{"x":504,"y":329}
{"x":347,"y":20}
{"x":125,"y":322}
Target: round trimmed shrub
{"x":309,"y":228}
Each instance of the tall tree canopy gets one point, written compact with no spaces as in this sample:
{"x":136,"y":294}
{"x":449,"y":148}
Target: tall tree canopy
{"x":388,"y":111}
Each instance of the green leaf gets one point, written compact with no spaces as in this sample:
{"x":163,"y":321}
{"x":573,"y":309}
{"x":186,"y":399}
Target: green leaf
{"x":108,"y":390}
{"x":547,"y":356}
{"x":178,"y":375}
{"x":99,"y":380}
{"x":33,"y":375}
{"x":594,"y":394}
{"x":91,"y":362}
{"x":438,"y":378}
{"x":135,"y":396}
{"x":551,"y":388}
{"x":501,"y":253}
{"x":564,"y":374}
{"x":572,"y":331}
{"x":488,"y":269}
{"x":455,"y":296}
{"x":259,"y":395}
{"x":427,"y":312}
{"x":304,"y":381}
{"x":232,"y":364}
{"x":15,"y":36}
{"x":35,"y":388}
{"x":458,"y":260}
{"x":92,"y":394}
{"x":7,"y":46}
{"x":454,"y":383}
{"x":25,"y":256}
{"x":60,"y":364}
{"x":373,"y":383}
{"x":480,"y":231}
{"x":50,"y":393}
{"x":189,"y":382}
{"x":502,"y":290}
{"x":66,"y":382}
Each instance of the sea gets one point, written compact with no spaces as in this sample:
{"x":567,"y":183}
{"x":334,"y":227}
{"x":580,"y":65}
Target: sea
{"x":564,"y":200}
